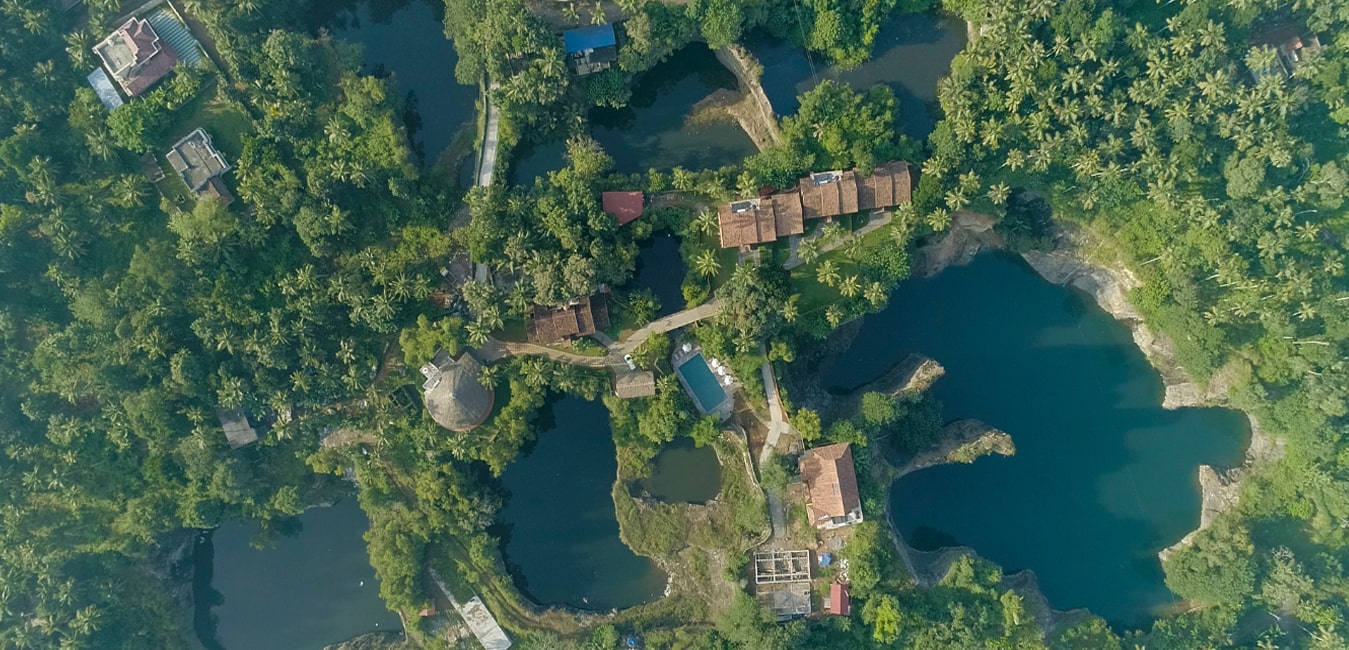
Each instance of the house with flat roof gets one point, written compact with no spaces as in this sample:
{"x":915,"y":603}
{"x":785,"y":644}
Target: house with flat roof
{"x":135,"y":56}
{"x":581,"y":318}
{"x":590,"y":49}
{"x":889,"y":185}
{"x":831,"y":482}
{"x":829,"y":194}
{"x":626,"y":207}
{"x":199,"y":164}
{"x":748,"y":223}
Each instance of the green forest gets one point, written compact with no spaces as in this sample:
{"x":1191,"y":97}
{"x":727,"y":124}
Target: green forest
{"x":130,"y":311}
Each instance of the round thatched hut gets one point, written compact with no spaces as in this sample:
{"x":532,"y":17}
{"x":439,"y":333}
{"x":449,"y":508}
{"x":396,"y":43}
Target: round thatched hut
{"x":453,"y":394}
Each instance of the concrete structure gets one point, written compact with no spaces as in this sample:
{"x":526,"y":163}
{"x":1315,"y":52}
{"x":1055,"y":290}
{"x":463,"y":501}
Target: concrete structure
{"x":581,"y":318}
{"x":238,"y":432}
{"x":453,"y":394}
{"x":135,"y":56}
{"x":623,"y":206}
{"x":200,"y":165}
{"x":830,"y":477}
{"x":773,"y":567}
{"x":591,"y":49}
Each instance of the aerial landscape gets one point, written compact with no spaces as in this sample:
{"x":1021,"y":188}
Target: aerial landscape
{"x":674,"y":324}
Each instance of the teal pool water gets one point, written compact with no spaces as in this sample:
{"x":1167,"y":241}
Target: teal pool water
{"x":699,"y":378}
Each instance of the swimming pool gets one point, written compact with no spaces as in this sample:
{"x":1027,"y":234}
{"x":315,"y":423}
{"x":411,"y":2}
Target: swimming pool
{"x":700,"y":381}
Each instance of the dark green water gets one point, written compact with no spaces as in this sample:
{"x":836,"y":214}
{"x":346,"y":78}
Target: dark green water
{"x":1103,"y":477}
{"x":653,"y":130}
{"x":661,"y":269}
{"x":558,"y":525}
{"x":312,"y":587}
{"x":684,"y":473}
{"x":407,"y":38}
{"x":912,"y":52}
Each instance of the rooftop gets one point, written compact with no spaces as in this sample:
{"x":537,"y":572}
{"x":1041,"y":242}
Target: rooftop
{"x":135,"y":56}
{"x":832,"y":482}
{"x":829,"y":194}
{"x":634,"y":383}
{"x":582,"y":318}
{"x":746,"y":223}
{"x":624,"y":206}
{"x":197,"y":161}
{"x":454,"y":396}
{"x":839,"y":603}
{"x":238,"y":432}
{"x":589,"y":38}
{"x":888,"y":185}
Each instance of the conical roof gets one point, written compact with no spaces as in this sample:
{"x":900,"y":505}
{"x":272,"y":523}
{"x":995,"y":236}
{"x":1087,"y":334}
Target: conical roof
{"x":458,"y":401}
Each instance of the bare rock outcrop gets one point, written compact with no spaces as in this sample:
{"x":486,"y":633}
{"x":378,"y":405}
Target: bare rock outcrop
{"x":962,"y":441}
{"x":971,"y":233}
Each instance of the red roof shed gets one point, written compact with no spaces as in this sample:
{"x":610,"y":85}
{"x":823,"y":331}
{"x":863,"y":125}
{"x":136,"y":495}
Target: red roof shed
{"x":624,"y":206}
{"x":839,"y":604}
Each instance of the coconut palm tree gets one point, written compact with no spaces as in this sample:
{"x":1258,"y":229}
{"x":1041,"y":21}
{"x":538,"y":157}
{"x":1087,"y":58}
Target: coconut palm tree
{"x":489,"y":375}
{"x":809,"y":249}
{"x":875,"y":294}
{"x":707,"y":264}
{"x":833,"y":314}
{"x":791,"y":309}
{"x":478,"y":334}
{"x":827,"y":273}
{"x":850,"y":286}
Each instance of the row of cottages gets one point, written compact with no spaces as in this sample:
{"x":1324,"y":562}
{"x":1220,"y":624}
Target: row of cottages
{"x":823,"y":195}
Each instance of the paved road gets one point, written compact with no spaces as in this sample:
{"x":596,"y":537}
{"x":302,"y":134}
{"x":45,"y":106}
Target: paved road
{"x":491,"y":136}
{"x":496,"y":350}
{"x":672,"y":322}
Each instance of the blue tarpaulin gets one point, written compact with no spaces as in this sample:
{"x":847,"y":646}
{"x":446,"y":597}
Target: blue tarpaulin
{"x":589,"y":38}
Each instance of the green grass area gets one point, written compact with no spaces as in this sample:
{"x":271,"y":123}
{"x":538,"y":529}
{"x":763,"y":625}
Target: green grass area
{"x":221,"y":119}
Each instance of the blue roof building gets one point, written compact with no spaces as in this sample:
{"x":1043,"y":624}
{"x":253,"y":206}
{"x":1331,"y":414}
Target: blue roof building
{"x":591,"y":49}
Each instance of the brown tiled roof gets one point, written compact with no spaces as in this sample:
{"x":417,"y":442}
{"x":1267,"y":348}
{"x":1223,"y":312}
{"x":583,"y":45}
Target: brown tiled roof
{"x":888,"y":186}
{"x":549,"y":325}
{"x":748,"y":222}
{"x":215,"y":189}
{"x":829,"y":194}
{"x":828,"y":473}
{"x":624,"y":206}
{"x":787,"y":214}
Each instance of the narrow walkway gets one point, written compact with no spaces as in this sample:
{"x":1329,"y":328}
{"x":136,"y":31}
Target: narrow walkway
{"x":496,"y":350}
{"x":672,"y":322}
{"x":877,"y":222}
{"x":777,"y":424}
{"x":776,"y":514}
{"x":487,"y":163}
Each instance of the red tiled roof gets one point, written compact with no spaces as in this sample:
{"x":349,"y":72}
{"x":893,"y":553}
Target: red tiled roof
{"x":829,"y":199}
{"x":839,"y":603}
{"x":746,"y":223}
{"x":886,"y":187}
{"x":624,"y":206}
{"x":587,"y":316}
{"x":832,"y":481}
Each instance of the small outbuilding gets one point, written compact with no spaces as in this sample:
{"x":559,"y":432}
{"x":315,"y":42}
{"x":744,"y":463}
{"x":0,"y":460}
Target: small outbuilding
{"x":626,"y":207}
{"x":839,"y":603}
{"x":238,"y":432}
{"x":629,"y":384}
{"x":454,"y":395}
{"x":591,"y":49}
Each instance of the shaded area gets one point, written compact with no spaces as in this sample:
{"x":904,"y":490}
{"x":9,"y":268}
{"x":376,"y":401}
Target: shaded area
{"x":653,"y":130}
{"x":407,"y":39}
{"x":661,"y":269}
{"x":311,"y":586}
{"x":531,"y":160}
{"x":559,"y":530}
{"x":684,"y":473}
{"x":1103,"y":477}
{"x":912,"y":52}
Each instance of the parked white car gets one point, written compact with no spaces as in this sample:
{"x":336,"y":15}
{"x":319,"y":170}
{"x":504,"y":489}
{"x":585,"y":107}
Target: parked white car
{"x":632,"y":365}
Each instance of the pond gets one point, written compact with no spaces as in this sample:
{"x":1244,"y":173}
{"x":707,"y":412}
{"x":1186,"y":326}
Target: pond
{"x":684,"y":473}
{"x":1103,"y":477}
{"x":661,"y":269}
{"x":654,"y":131}
{"x":313,"y":586}
{"x":912,"y":52}
{"x":559,"y":530}
{"x":407,"y":38}
{"x":531,"y":160}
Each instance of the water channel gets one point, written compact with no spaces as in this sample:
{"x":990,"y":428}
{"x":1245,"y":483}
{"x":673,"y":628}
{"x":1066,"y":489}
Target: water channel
{"x":684,"y":473}
{"x":558,"y":526}
{"x":654,"y":130}
{"x":912,"y":52}
{"x":311,"y":587}
{"x":1103,"y":477}
{"x":407,"y":38}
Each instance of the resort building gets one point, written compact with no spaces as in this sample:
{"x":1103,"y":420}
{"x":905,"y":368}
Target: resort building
{"x":453,"y":393}
{"x":200,"y":165}
{"x":626,"y":207}
{"x":629,"y":384}
{"x":238,"y":432}
{"x":831,"y":480}
{"x":135,"y":56}
{"x":581,"y":318}
{"x":748,"y":223}
{"x":829,"y":194}
{"x":889,"y":185}
{"x":590,"y":49}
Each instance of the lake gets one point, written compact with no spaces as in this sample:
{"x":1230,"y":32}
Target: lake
{"x":684,"y":473}
{"x":653,"y":130}
{"x":911,"y":53}
{"x":407,"y":38}
{"x":312,"y":587}
{"x":661,"y":269}
{"x":1103,"y":477}
{"x":558,"y":525}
